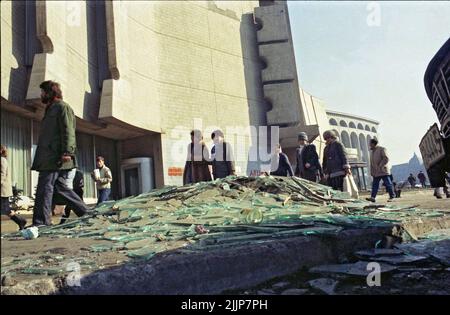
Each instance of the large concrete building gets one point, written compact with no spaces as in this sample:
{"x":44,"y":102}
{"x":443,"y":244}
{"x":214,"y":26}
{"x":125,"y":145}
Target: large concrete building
{"x":140,"y":75}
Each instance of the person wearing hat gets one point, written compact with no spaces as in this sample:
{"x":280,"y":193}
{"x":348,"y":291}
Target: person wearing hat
{"x":335,"y":164}
{"x":222,"y":158}
{"x":308,"y":165}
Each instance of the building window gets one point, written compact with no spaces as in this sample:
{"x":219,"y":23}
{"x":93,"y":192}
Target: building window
{"x":333,"y":122}
{"x":345,"y":138}
{"x":354,"y":140}
{"x":352,"y":125}
{"x":86,"y":162}
{"x":360,"y":126}
{"x":342,"y":123}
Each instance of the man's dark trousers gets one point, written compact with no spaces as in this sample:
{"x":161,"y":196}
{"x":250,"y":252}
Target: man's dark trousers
{"x":48,"y":183}
{"x":387,"y":182}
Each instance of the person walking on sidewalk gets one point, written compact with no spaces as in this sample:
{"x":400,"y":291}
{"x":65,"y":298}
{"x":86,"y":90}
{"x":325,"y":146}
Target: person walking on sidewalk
{"x":280,"y":165}
{"x":308,"y":165}
{"x":335,"y":164}
{"x":55,"y":156}
{"x":103,"y":178}
{"x":379,"y":169}
{"x":412,"y":180}
{"x":6,"y":190}
{"x":422,"y":178}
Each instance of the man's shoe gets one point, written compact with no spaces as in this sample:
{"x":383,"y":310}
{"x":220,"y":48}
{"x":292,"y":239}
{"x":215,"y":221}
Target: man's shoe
{"x":390,"y":199}
{"x":370,"y":199}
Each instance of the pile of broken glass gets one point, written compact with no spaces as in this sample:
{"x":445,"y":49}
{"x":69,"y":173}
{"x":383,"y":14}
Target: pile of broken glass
{"x":233,"y":211}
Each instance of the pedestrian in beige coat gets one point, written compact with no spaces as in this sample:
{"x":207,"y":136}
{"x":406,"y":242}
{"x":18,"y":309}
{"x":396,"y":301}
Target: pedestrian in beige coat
{"x":6,"y":190}
{"x":380,"y":170}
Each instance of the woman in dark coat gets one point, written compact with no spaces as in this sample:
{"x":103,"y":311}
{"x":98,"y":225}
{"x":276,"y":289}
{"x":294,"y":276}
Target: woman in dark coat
{"x":197,"y":168}
{"x":335,"y":164}
{"x":280,"y":165}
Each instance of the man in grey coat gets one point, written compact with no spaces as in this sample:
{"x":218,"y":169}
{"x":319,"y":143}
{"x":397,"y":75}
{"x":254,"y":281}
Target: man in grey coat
{"x":335,"y":165}
{"x":379,"y":169}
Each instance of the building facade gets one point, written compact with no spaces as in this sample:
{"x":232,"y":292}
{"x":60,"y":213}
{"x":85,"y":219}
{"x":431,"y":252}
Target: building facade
{"x":140,"y":75}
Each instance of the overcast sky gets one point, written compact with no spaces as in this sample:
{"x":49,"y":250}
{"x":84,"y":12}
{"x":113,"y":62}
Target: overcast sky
{"x":373,"y":71}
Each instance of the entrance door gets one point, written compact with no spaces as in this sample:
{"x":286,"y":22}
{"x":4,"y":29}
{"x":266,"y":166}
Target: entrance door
{"x":131,"y":181}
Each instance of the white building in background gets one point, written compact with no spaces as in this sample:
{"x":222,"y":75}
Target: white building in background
{"x":355,"y":132}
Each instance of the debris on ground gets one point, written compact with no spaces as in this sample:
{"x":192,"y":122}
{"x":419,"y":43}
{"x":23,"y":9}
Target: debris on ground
{"x":233,"y":211}
{"x":409,"y":268}
{"x":326,"y":285}
{"x":294,"y":292}
{"x":355,"y":269}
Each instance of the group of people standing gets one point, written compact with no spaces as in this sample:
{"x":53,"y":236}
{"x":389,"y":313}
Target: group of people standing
{"x":59,"y":181}
{"x":334,"y":166}
{"x":203,"y":165}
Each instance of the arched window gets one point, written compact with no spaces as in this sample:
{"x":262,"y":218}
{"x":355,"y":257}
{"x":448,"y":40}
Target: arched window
{"x":374,"y":130}
{"x":352,"y":125}
{"x":363,"y":148}
{"x":354,"y":140}
{"x":367,"y":128}
{"x":345,"y":138}
{"x":343,"y":123}
{"x":333,"y":122}
{"x":360,"y":126}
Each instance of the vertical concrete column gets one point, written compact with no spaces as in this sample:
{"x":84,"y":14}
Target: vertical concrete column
{"x":279,"y":77}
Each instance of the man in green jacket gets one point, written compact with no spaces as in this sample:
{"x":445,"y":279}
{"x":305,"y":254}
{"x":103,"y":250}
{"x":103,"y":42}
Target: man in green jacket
{"x":55,"y":156}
